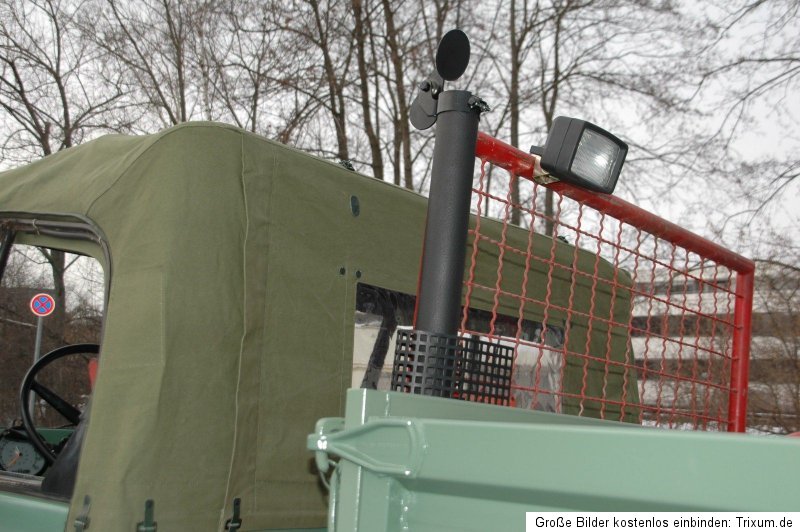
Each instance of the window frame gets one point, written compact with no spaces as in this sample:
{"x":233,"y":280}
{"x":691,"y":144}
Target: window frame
{"x":69,"y":233}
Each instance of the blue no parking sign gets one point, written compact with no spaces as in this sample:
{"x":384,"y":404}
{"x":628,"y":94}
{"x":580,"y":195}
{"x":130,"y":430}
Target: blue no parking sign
{"x":43,"y":305}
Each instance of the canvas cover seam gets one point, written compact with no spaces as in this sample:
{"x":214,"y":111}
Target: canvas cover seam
{"x":241,"y":342}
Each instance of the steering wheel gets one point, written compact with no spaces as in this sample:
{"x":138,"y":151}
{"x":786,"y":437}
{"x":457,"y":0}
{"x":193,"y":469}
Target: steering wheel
{"x":29,"y":384}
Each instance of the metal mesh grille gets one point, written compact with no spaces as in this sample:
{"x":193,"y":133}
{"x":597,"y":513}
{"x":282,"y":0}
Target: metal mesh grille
{"x":649,"y":323}
{"x":449,"y":366}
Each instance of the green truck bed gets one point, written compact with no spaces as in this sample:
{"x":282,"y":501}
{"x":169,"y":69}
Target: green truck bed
{"x":430,"y":464}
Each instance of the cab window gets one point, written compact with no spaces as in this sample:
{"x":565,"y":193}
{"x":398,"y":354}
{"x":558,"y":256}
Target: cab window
{"x":380,"y":312}
{"x":51,"y":301}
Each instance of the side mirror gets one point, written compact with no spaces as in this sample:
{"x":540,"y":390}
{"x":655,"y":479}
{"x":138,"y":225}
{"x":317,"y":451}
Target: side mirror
{"x":583,"y":154}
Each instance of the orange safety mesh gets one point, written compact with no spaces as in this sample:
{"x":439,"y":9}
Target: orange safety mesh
{"x":657,"y":320}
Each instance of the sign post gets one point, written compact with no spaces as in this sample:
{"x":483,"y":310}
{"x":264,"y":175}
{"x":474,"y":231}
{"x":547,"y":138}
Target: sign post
{"x":42,"y":305}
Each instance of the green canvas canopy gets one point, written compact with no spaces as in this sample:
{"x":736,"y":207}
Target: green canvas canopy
{"x":232,"y":267}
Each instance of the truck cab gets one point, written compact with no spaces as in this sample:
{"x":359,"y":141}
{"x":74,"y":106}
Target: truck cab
{"x":229,"y":301}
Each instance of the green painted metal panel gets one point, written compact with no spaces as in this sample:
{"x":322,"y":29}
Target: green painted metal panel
{"x":54,"y":435}
{"x":22,"y":513}
{"x":408,"y":468}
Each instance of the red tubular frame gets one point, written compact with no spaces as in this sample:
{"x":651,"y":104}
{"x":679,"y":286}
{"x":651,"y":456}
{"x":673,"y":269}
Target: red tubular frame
{"x":524,"y":165}
{"x":740,"y":365}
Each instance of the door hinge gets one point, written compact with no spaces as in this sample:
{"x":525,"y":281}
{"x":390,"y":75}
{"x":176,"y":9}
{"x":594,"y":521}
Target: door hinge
{"x":235,"y":522}
{"x":82,"y":519}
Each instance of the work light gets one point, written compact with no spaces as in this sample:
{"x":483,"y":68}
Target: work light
{"x":583,"y":154}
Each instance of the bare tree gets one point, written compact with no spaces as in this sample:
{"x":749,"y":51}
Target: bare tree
{"x":752,"y":90}
{"x":402,"y":128}
{"x":47,"y":99}
{"x":322,"y":58}
{"x":362,"y":20}
{"x":249,"y":61}
{"x":152,"y":43}
{"x":775,"y":359}
{"x":768,"y":66}
{"x":523,"y":23}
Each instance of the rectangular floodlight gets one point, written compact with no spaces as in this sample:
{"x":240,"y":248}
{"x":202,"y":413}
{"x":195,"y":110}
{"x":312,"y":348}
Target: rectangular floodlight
{"x":583,"y":154}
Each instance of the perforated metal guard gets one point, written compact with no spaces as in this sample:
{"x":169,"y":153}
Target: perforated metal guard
{"x":449,"y":366}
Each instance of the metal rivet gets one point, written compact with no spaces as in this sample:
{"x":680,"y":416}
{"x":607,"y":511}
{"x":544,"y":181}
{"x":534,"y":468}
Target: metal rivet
{"x":358,"y":274}
{"x":355,"y":207}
